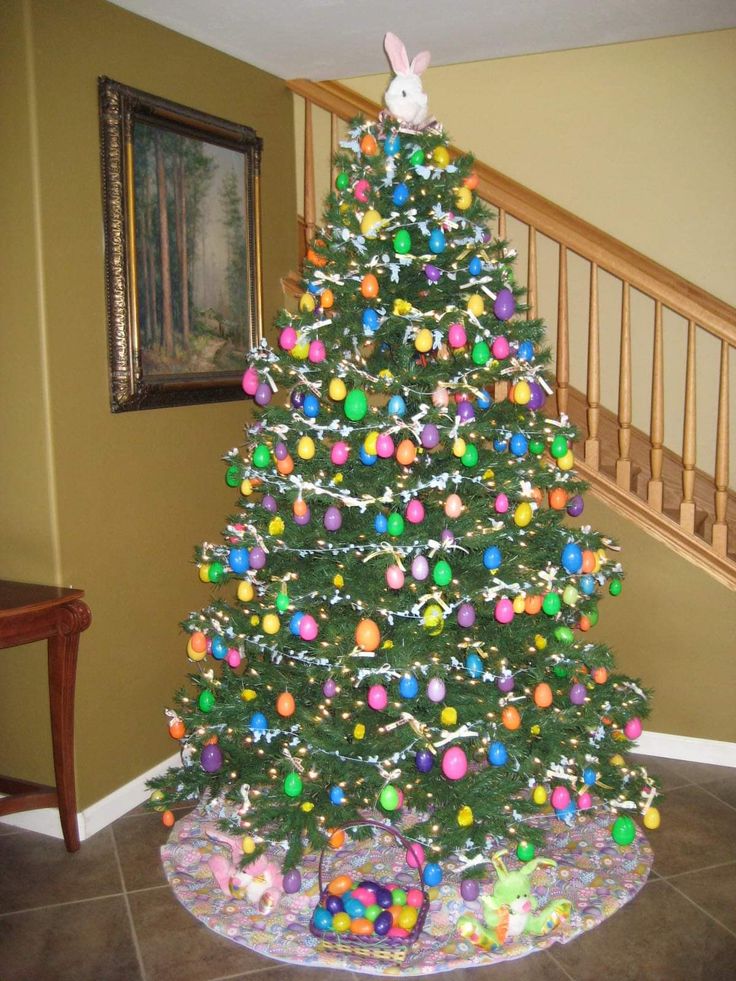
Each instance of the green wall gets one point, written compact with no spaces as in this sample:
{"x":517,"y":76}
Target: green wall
{"x":109,"y":503}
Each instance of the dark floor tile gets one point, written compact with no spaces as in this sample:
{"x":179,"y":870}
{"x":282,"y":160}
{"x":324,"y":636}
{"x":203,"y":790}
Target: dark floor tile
{"x":697,"y":831}
{"x":139,"y":839}
{"x":658,"y":936}
{"x":38,"y":871}
{"x":283,"y":972}
{"x":533,"y":967}
{"x":714,"y":890}
{"x":669,"y":773}
{"x":87,"y":941}
{"x":175,"y":945}
{"x":724,"y":788}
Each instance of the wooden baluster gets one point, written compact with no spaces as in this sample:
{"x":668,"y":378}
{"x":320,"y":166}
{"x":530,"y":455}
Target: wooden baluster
{"x":593,"y":443}
{"x":623,"y":464}
{"x":655,"y":487}
{"x":720,"y":528}
{"x":502,"y":224}
{"x":309,"y":202}
{"x":563,"y":340}
{"x":687,"y":505}
{"x":531,"y":279}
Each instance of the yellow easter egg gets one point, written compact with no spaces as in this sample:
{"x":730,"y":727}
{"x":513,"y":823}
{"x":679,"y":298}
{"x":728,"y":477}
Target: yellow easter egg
{"x":193,"y":654}
{"x":305,"y":448}
{"x":359,"y":731}
{"x":459,"y":447}
{"x":300,"y":350}
{"x":617,"y":760}
{"x":535,"y":730}
{"x":440,"y":157}
{"x":566,"y":462}
{"x":386,"y":373}
{"x":245,"y":591}
{"x":369,"y":443}
{"x":370,"y":223}
{"x":518,"y":604}
{"x":271,"y":623}
{"x":306,"y":303}
{"x":463,"y":197}
{"x":465,"y":816}
{"x":156,"y":797}
{"x":652,"y":819}
{"x":307,"y":806}
{"x":401,"y":307}
{"x":337,"y":479}
{"x":255,"y":620}
{"x":338,"y":581}
{"x":423,"y":340}
{"x":337,"y":390}
{"x":434,"y":621}
{"x":448,"y":716}
{"x":247,"y":694}
{"x":246,"y":488}
{"x":539,"y":795}
{"x":522,"y":514}
{"x":476,"y":304}
{"x":540,"y":642}
{"x":522,"y":392}
{"x":249,"y":846}
{"x":204,"y":572}
{"x":275,"y":526}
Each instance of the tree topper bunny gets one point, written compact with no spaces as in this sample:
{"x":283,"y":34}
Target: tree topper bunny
{"x":405,"y":98}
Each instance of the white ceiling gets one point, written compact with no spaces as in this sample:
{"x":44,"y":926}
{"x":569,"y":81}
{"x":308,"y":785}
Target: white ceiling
{"x":328,"y":39}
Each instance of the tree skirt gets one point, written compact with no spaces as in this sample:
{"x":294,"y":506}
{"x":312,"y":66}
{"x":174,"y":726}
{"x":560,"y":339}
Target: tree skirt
{"x":593,"y":873}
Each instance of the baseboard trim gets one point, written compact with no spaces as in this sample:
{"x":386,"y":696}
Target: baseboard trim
{"x":102,"y":813}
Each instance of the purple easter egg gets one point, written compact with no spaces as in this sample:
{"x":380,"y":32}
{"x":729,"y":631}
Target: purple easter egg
{"x":504,"y":305}
{"x":369,"y":884}
{"x":420,"y":568}
{"x":505,"y":683}
{"x":303,"y":519}
{"x":211,"y":758}
{"x":263,"y":394}
{"x":257,"y":557}
{"x":430,"y":436}
{"x":334,"y":904}
{"x":293,"y":883}
{"x":436,"y":690}
{"x":469,"y":889}
{"x":281,"y":451}
{"x":383,"y":923}
{"x":269,"y":503}
{"x":536,"y":396}
{"x":329,"y":688}
{"x":384,"y":899}
{"x":465,"y":411}
{"x":575,"y":506}
{"x":297,"y":398}
{"x":577,"y":693}
{"x":466,"y":615}
{"x":447,"y":536}
{"x":333,"y":519}
{"x":433,"y":273}
{"x":424,"y":761}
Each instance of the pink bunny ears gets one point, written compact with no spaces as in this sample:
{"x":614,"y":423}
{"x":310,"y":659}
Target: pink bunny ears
{"x":399,"y":59}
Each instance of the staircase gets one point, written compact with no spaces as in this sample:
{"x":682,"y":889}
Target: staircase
{"x":632,"y":470}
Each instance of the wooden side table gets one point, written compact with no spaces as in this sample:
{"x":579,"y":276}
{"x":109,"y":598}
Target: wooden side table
{"x":28,"y":613}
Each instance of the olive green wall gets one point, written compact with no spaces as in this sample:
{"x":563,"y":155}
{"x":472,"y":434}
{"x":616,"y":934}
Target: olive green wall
{"x":109,"y":503}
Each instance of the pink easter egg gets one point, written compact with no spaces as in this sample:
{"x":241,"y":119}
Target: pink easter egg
{"x":287,"y":338}
{"x":501,"y":504}
{"x":453,"y":506}
{"x":395,"y":577}
{"x":233,"y":658}
{"x":414,"y":858}
{"x":420,"y":568}
{"x":397,"y":931}
{"x":500,"y":348}
{"x":560,"y":798}
{"x":308,"y":629}
{"x":384,"y":446}
{"x":456,"y":336}
{"x":400,"y":794}
{"x":339,"y":453}
{"x":361,"y":190}
{"x":250,"y":381}
{"x":584,"y":801}
{"x":377,"y":697}
{"x":504,"y":611}
{"x":454,"y":763}
{"x":414,"y":897}
{"x":415,"y":512}
{"x":317,"y":352}
{"x":633,"y":728}
{"x":440,"y":398}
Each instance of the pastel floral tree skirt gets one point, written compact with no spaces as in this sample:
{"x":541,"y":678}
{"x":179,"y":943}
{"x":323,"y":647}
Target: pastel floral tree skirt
{"x":594,"y":873}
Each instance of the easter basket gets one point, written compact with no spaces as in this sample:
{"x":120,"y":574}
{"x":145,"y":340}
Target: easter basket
{"x":381,"y":947}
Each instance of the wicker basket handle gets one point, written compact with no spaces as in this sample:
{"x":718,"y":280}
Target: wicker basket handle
{"x":408,"y":845}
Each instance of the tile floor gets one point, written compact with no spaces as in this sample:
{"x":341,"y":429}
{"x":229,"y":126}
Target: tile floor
{"x":107,"y":914}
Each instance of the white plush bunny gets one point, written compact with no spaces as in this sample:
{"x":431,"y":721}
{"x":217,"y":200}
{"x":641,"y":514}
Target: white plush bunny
{"x":405,"y":98}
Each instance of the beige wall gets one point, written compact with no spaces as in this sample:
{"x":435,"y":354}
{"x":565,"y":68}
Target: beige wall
{"x":640,"y":140}
{"x":111,"y":504}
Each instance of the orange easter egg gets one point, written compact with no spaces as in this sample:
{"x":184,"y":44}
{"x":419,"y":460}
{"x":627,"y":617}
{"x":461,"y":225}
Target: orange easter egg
{"x":510,"y":393}
{"x":285,"y":466}
{"x":511,"y":718}
{"x":584,"y":624}
{"x":367,"y":635}
{"x":327,"y":299}
{"x":198,"y":642}
{"x":543,"y":695}
{"x":340,"y":885}
{"x":368,"y":145}
{"x":314,"y":257}
{"x":588,"y":560}
{"x":557,"y":498}
{"x":369,"y":286}
{"x":168,"y":819}
{"x":599,"y":675}
{"x":395,"y":912}
{"x":336,"y":839}
{"x":285,"y":704}
{"x":471,"y":182}
{"x":361,"y":927}
{"x":299,"y":507}
{"x":177,"y":729}
{"x":406,"y":452}
{"x":537,"y":495}
{"x":532,"y":605}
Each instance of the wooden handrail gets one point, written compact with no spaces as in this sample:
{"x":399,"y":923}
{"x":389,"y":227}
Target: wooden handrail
{"x":675,"y":292}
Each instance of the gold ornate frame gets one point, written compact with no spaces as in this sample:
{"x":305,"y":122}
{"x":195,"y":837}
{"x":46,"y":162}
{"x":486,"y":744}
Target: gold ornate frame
{"x":120,"y":106}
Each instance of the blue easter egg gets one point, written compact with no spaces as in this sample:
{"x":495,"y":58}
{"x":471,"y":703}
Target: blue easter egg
{"x":294,"y":623}
{"x":400,"y":195}
{"x":337,"y":795}
{"x":484,"y":400}
{"x":432,"y":874}
{"x":497,"y":754}
{"x":474,"y":665}
{"x":391,"y":145}
{"x":475,"y":266}
{"x":239,"y":559}
{"x":437,"y":243}
{"x":354,"y":908}
{"x":334,"y":905}
{"x":366,"y":457}
{"x":492,"y":557}
{"x":370,"y":320}
{"x":568,"y":811}
{"x":322,"y":919}
{"x":383,"y":923}
{"x":518,"y":444}
{"x":589,"y":776}
{"x":314,"y":287}
{"x":526,"y":351}
{"x":396,"y":406}
{"x":500,"y":445}
{"x":380,"y":523}
{"x":258,"y":722}
{"x":572,"y":558}
{"x":587,"y":585}
{"x":219,"y":647}
{"x":408,"y":686}
{"x":311,"y":406}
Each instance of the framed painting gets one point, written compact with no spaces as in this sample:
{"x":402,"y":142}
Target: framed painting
{"x":182,"y":249}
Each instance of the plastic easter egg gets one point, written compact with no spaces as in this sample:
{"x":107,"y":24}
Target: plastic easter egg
{"x":504,"y":305}
{"x":572,"y":558}
{"x":558,"y":447}
{"x":337,"y":390}
{"x":322,"y":919}
{"x":329,"y":688}
{"x":589,"y":776}
{"x":408,"y":686}
{"x":377,"y":697}
{"x":510,"y":718}
{"x":400,"y":194}
{"x":577,"y":693}
{"x":466,"y":617}
{"x":430,"y":436}
{"x":392,"y":144}
{"x":476,"y":305}
{"x":311,"y":406}
{"x":523,"y":514}
{"x":417,"y":157}
{"x":261,"y":456}
{"x":463,"y":198}
{"x":373,"y":911}
{"x":293,"y":785}
{"x":396,"y":406}
{"x":206,"y":701}
{"x":370,"y":321}
{"x":402,"y":242}
{"x":384,"y":446}
{"x":367,"y":635}
{"x":383,"y":923}
{"x":239,"y":560}
{"x":424,"y":340}
{"x":552,"y":604}
{"x":497,"y":754}
{"x":369,"y":286}
{"x":504,"y":610}
{"x":294,"y":623}
{"x":539,"y":795}
{"x":250,"y":381}
{"x":543,"y":695}
{"x":575,"y":506}
{"x":263,"y":394}
{"x":456,"y":336}
{"x":395,"y":577}
{"x":353,"y":907}
{"x":432,"y":272}
{"x":406,"y":452}
{"x":341,"y":181}
{"x":355,"y":405}
{"x":211,"y":758}
{"x":492,"y":558}
{"x":423,"y":759}
{"x":415,"y":897}
{"x":623,"y":831}
{"x":339,"y":453}
{"x":584,"y":801}
{"x":305,"y":448}
{"x":501,"y":504}
{"x":470,"y":456}
{"x":500,"y":348}
{"x":317,"y":354}
{"x":285,"y":704}
{"x":615,"y":587}
{"x":453,"y":506}
{"x":481,"y":353}
{"x":633,"y":728}
{"x":433,"y":620}
{"x":566,"y":462}
{"x":420,"y":568}
{"x":334,"y":905}
{"x":340,"y":885}
{"x":368,"y":145}
{"x":437,"y":242}
{"x":415,"y":512}
{"x":518,"y":444}
{"x":271,"y":623}
{"x":369,"y":222}
{"x":436,"y":690}
{"x":440,"y":157}
{"x":525,"y":351}
{"x":557,"y":498}
{"x":292,"y":881}
{"x":308,"y":629}
{"x":454,"y":763}
{"x":395,"y":525}
{"x":361,"y":190}
{"x":432,"y":874}
{"x":652,"y":819}
{"x":560,"y":798}
{"x":442,"y":573}
{"x":287,"y":339}
{"x":383,"y":898}
{"x":408,"y":917}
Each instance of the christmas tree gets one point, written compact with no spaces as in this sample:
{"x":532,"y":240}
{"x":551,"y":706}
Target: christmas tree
{"x":400,"y":615}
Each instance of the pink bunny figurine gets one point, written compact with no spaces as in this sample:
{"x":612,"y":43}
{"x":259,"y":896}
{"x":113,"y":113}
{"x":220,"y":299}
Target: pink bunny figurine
{"x":405,"y":98}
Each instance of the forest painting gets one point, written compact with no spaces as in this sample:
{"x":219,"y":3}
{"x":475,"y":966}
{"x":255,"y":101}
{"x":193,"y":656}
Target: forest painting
{"x":182,"y":249}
